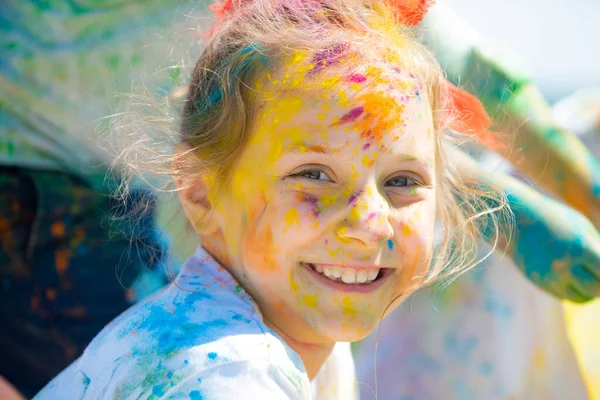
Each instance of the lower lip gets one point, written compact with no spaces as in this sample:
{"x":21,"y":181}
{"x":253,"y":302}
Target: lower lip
{"x":384,"y":274}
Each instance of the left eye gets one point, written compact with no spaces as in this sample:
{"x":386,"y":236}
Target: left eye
{"x":401,"y":181}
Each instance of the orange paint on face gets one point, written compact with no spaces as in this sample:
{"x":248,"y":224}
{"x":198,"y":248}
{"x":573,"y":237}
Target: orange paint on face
{"x":260,"y":247}
{"x":382,"y":113}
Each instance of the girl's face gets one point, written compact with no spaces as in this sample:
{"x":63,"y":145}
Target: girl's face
{"x":329,"y":215}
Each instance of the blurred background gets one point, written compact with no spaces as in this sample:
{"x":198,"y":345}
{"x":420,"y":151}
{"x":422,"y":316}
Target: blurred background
{"x":557,"y":40}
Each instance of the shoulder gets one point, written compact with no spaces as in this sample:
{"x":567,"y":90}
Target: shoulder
{"x":178,"y":341}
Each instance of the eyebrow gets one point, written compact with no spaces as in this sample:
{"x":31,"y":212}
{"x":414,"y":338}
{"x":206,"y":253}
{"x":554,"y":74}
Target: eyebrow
{"x":303,"y":148}
{"x":411,"y":158}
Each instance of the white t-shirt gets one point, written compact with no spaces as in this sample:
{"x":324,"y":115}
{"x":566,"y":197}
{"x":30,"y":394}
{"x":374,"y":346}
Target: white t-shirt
{"x":201,"y":337}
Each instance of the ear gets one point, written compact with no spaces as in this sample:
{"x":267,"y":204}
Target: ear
{"x":191,"y":180}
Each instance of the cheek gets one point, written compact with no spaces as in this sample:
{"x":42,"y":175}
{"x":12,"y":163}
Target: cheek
{"x":304,"y":215}
{"x":258,"y":248}
{"x":414,"y":232}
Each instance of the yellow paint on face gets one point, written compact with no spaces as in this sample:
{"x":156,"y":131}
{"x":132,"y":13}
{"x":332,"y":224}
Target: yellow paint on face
{"x":293,"y":285}
{"x":310,"y":301}
{"x":354,"y":214}
{"x":348,"y":307}
{"x":292,"y":217}
{"x":406,"y":230}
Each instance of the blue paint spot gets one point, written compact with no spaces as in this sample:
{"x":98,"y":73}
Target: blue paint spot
{"x":459,"y":348}
{"x":169,"y":375}
{"x":185,"y":362}
{"x":214,"y":96}
{"x":195,"y":395}
{"x":240,"y":317}
{"x":390,"y":244}
{"x":212,"y":355}
{"x":158,"y":391}
{"x":485,"y":368}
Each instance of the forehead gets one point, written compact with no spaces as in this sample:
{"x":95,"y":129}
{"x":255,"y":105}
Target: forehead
{"x":382,"y":103}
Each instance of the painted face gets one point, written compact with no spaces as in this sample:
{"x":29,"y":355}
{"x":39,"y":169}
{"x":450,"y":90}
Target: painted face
{"x":329,"y":216}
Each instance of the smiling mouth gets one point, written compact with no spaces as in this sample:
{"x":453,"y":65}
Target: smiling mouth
{"x":348,"y":277}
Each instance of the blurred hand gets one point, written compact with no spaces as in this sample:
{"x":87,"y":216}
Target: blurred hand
{"x":556,"y":247}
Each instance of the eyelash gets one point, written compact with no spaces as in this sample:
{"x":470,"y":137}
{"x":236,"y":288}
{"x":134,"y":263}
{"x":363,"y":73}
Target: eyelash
{"x":302,"y":174}
{"x":415,"y":182}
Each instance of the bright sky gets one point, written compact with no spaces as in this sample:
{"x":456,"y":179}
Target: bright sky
{"x":558,"y":40}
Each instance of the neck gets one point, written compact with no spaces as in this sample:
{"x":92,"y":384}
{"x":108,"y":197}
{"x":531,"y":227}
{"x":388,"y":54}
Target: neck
{"x":313,"y":355}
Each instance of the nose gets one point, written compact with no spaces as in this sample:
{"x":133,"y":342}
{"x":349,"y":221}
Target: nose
{"x":367,"y":220}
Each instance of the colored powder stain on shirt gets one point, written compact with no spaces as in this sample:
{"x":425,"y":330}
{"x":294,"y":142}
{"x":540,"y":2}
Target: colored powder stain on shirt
{"x":195,"y":395}
{"x":212,"y":355}
{"x":158,"y":391}
{"x":238,"y":289}
{"x":486,"y":368}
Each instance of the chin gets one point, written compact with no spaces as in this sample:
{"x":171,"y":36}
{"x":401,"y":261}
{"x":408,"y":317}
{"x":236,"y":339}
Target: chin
{"x":348,"y":330}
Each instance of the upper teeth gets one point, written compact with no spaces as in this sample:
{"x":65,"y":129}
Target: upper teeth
{"x":349,"y":275}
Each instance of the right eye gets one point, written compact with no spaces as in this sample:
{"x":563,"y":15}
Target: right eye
{"x":314,"y":175}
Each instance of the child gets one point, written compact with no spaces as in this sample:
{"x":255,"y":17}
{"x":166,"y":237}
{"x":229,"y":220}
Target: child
{"x":311,"y":165}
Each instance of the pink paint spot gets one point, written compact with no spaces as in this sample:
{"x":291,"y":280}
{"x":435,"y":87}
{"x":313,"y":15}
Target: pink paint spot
{"x":328,"y":57}
{"x":312,"y":201}
{"x":357,"y":78}
{"x":366,"y":146}
{"x":371,"y":216}
{"x":351,"y":115}
{"x":352,"y":200}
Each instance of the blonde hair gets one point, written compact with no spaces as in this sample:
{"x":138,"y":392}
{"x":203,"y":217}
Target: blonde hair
{"x":256,"y":38}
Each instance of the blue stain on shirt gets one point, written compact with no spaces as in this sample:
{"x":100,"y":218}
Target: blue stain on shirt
{"x":195,"y":395}
{"x":158,"y":390}
{"x":177,"y":342}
